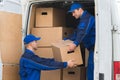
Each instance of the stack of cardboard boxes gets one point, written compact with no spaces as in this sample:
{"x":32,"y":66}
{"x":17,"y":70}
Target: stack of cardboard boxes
{"x":61,"y":53}
{"x":50,"y":26}
{"x":10,"y":45}
{"x":78,"y":73}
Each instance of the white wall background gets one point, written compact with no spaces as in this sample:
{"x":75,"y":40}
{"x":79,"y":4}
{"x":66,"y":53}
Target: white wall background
{"x":11,"y":6}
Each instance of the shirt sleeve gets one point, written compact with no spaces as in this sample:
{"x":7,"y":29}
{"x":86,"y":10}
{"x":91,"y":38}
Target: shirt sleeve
{"x":32,"y":64}
{"x":84,"y":31}
{"x":49,"y":62}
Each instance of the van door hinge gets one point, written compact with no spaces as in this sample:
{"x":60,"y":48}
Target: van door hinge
{"x":115,"y":28}
{"x":22,"y":30}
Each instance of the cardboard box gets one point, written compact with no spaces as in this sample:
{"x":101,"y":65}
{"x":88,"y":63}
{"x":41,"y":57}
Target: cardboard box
{"x":51,"y":75}
{"x":50,"y":17}
{"x":10,"y":72}
{"x":86,"y":57}
{"x":50,"y":35}
{"x":10,"y":37}
{"x":45,"y":52}
{"x":11,"y":52}
{"x":78,"y":73}
{"x":61,"y":53}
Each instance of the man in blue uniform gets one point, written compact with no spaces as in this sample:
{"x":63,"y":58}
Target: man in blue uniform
{"x":31,"y":64}
{"x":84,"y":33}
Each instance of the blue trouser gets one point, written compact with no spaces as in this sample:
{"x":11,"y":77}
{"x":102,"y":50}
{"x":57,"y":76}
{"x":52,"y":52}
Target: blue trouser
{"x":90,"y":67}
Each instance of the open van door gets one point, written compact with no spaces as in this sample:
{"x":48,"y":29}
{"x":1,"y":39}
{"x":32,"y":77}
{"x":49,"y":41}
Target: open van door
{"x":107,"y":61}
{"x":115,"y":5}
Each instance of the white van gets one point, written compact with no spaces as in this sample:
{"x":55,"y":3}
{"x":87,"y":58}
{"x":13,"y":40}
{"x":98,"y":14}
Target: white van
{"x":107,"y":15}
{"x":107,"y":48}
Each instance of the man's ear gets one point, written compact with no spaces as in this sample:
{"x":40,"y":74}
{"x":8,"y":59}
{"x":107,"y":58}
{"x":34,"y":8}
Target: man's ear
{"x":80,"y":9}
{"x":30,"y":44}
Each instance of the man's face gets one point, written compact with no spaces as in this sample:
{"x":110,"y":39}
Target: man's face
{"x":34,"y":45}
{"x":77,"y":13}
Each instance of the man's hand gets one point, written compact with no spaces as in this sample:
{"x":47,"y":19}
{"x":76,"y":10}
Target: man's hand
{"x":72,"y":47}
{"x":71,"y":63}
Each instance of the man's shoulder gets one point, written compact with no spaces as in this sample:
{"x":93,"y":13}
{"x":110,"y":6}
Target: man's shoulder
{"x":30,"y":56}
{"x":27,"y":55}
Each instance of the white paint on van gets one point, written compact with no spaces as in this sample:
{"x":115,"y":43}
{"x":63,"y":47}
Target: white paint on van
{"x":13,"y":6}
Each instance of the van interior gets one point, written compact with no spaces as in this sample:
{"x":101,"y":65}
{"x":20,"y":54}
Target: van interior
{"x":51,"y":21}
{"x":64,"y":5}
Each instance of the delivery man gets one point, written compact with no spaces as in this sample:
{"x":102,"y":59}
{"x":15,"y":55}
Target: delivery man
{"x":85,"y":33}
{"x":31,"y":64}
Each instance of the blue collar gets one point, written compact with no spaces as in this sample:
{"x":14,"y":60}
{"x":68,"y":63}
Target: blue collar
{"x":29,"y":51}
{"x":84,"y":13}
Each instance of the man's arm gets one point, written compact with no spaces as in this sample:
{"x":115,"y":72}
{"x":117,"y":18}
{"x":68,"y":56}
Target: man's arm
{"x":32,"y":64}
{"x":83,"y":32}
{"x":48,"y":61}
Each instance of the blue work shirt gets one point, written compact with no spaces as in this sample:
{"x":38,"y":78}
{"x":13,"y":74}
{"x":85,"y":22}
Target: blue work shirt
{"x":85,"y":31}
{"x":31,"y":65}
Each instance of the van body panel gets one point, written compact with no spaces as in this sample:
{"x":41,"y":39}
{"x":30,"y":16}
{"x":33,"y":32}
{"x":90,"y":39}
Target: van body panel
{"x":104,"y":40}
{"x":115,"y":7}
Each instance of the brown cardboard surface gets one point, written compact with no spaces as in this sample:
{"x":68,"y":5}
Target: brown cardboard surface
{"x":60,"y":52}
{"x":50,"y":35}
{"x":83,"y":73}
{"x":78,"y":73}
{"x":10,"y":37}
{"x":10,"y":72}
{"x":51,"y":75}
{"x":11,"y":52}
{"x":50,"y":17}
{"x":44,"y":52}
{"x":86,"y":57}
{"x":71,"y":74}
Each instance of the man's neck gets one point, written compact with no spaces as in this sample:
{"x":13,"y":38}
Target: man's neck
{"x":30,"y":48}
{"x":82,"y":13}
